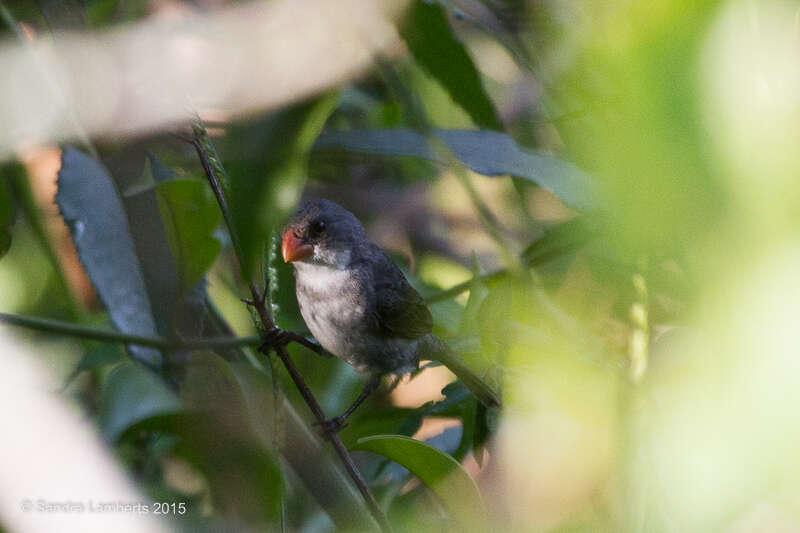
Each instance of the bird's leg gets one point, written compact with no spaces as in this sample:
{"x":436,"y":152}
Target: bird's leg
{"x":281,"y":337}
{"x":335,"y":424}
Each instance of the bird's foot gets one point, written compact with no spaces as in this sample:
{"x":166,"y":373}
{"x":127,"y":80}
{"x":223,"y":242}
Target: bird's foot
{"x":331,"y":426}
{"x":274,"y":338}
{"x":277,"y":337}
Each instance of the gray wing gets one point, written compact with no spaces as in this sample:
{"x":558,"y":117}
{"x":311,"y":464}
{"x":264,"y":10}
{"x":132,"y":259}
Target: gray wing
{"x":400,"y":310}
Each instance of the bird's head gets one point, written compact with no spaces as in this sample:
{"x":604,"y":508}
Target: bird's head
{"x":321,"y":232}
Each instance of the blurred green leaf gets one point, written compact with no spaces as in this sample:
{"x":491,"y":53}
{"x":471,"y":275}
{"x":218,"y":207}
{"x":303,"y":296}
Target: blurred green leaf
{"x":560,"y":240}
{"x":190,"y":215}
{"x":92,"y":209}
{"x":470,"y":318}
{"x":100,"y":355}
{"x":486,"y":152}
{"x":94,"y":358}
{"x":431,"y":40}
{"x":236,"y":405}
{"x":266,"y":161}
{"x":648,"y":142}
{"x":439,"y":471}
{"x":100,"y":12}
{"x":222,"y":441}
{"x":129,"y":395}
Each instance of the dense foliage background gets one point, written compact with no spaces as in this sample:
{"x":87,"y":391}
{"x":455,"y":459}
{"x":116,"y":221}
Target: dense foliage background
{"x":597,"y":199}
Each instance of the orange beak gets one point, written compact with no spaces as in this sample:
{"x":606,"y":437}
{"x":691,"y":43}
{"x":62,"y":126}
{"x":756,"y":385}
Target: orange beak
{"x":294,"y":249}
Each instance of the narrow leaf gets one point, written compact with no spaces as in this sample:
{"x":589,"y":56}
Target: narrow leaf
{"x":486,"y":152}
{"x":431,"y":41}
{"x":92,"y":209}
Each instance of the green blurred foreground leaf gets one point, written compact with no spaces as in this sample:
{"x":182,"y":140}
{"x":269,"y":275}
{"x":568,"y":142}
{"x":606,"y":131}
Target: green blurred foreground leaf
{"x":431,"y":40}
{"x":436,"y":469}
{"x":486,"y":152}
{"x":92,"y":209}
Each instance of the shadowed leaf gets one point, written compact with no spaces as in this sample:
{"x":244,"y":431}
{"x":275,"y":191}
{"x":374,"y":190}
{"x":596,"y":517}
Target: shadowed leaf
{"x":486,"y":152}
{"x":92,"y":209}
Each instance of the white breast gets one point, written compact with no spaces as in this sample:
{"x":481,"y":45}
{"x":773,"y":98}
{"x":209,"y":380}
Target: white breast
{"x":333,"y":306}
{"x":321,"y":278}
{"x":335,"y":318}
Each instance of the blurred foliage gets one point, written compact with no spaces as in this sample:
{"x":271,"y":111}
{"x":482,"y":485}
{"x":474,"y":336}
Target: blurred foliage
{"x":637,"y":157}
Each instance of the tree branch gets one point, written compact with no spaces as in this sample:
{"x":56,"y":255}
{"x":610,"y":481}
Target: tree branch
{"x":202,"y":144}
{"x":74,"y":330}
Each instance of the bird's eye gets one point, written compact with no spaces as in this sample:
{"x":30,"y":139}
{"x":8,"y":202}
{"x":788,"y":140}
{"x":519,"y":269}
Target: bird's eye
{"x":317,"y":227}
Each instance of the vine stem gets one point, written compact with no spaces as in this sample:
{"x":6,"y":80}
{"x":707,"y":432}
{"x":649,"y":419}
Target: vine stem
{"x":201,"y":143}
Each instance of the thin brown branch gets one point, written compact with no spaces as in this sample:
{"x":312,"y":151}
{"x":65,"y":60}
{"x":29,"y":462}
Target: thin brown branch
{"x":267,"y":323}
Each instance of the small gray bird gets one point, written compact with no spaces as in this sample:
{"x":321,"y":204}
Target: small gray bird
{"x":358,"y":304}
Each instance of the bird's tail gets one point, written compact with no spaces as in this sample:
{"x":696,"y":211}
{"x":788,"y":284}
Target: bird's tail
{"x":439,"y":351}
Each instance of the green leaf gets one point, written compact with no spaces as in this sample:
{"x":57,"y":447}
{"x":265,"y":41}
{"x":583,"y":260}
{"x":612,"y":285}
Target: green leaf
{"x":178,"y":305}
{"x":100,"y":355}
{"x":129,"y":395}
{"x":439,"y":471}
{"x":190,"y":216}
{"x":486,"y":152}
{"x":223,"y":441}
{"x":9,"y":172}
{"x":436,"y":49}
{"x":381,"y":421}
{"x":266,"y":161}
{"x":470,"y":318}
{"x":6,"y":216}
{"x":93,"y":210}
{"x":456,"y":395}
{"x":94,"y":358}
{"x":560,"y":240}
